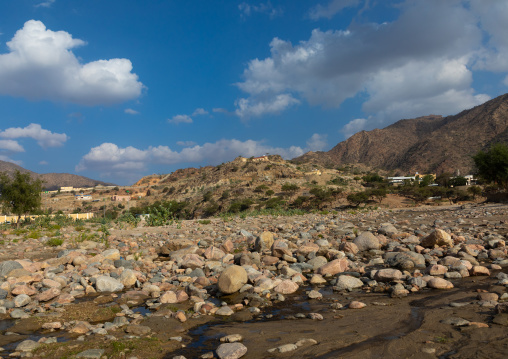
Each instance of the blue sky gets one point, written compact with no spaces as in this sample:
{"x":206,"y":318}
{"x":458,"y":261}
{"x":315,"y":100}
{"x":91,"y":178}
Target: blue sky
{"x":115,"y":90}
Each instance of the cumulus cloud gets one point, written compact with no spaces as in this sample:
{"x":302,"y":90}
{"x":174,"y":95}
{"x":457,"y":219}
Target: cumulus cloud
{"x":252,"y":107}
{"x":43,"y":163}
{"x":41,"y":66}
{"x":353,"y":127}
{"x":263,"y":8}
{"x":11,"y":145}
{"x":317,"y":142}
{"x":199,"y":112}
{"x":111,"y":160}
{"x":403,"y":68}
{"x":130,"y":111}
{"x":180,"y":119}
{"x":44,"y":138}
{"x":332,"y":8}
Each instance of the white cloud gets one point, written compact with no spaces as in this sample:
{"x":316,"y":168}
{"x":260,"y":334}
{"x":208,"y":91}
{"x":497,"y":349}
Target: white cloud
{"x":404,"y":68}
{"x":46,"y":3}
{"x":43,"y":163}
{"x":247,"y":108}
{"x":41,"y":66}
{"x":333,"y":7}
{"x":180,"y":119}
{"x":317,"y":142}
{"x":221,"y":110}
{"x":199,"y":112}
{"x":111,"y":160}
{"x":130,"y":111}
{"x":44,"y":138}
{"x":186,"y":143}
{"x":353,"y":127}
{"x":263,"y":8}
{"x":11,"y":145}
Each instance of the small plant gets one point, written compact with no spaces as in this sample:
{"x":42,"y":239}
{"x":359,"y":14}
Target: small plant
{"x":54,"y":242}
{"x":204,"y":221}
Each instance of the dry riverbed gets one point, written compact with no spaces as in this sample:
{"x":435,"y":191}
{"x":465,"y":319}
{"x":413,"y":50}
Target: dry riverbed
{"x":409,"y":283}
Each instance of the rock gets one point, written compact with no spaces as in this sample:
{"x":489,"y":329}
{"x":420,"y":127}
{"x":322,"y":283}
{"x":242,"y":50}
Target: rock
{"x":479,"y":270}
{"x":287,"y":286}
{"x":232,"y":338}
{"x":48,"y":294}
{"x":280,"y":248}
{"x":19,"y":314}
{"x":314,"y":294}
{"x":21,"y":300}
{"x":81,"y":327}
{"x":356,"y":305}
{"x":52,"y":325}
{"x":27,"y":346}
{"x":315,"y":316}
{"x":8,"y":266}
{"x":91,"y":354}
{"x":213,"y":253}
{"x":388,"y":275}
{"x":346,"y":282}
{"x":23,"y":289}
{"x":231,"y":350}
{"x":367,"y":241}
{"x":139,"y":330}
{"x":232,"y":279}
{"x":128,"y":278}
{"x":439,"y":283}
{"x":437,"y":237}
{"x":305,"y":342}
{"x":387,"y":229}
{"x":192,"y":261}
{"x":349,"y":247}
{"x":108,"y":284}
{"x":264,"y":241}
{"x":334,"y":267}
{"x":112,"y":254}
{"x":168,"y":297}
{"x":284,"y":348}
{"x":225,"y":310}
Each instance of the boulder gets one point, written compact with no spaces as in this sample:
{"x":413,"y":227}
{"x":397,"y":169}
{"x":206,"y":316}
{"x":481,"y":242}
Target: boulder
{"x":367,"y":241}
{"x":232,"y":279}
{"x":437,"y":237}
{"x":108,"y":284}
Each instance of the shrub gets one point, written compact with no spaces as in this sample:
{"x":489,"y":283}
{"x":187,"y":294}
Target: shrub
{"x":54,"y":242}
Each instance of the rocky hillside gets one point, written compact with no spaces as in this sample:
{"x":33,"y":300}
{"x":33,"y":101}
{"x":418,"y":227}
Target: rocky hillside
{"x":425,"y":144}
{"x":53,"y":181}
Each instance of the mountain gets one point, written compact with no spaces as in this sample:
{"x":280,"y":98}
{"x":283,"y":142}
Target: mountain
{"x":425,"y":144}
{"x":53,"y":181}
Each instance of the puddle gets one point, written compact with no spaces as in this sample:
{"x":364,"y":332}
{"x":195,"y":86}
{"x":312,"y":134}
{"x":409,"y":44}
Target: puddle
{"x":6,"y":324}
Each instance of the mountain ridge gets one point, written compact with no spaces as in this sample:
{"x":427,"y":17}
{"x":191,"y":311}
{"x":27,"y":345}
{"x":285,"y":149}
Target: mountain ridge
{"x":52,"y":181}
{"x":425,"y":144}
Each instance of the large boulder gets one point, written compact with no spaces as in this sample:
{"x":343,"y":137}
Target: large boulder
{"x":232,"y":279}
{"x":347,"y":282}
{"x":7,"y":267}
{"x":264,"y":242}
{"x":367,"y":241}
{"x":334,"y":267}
{"x":437,"y":237}
{"x":108,"y":284}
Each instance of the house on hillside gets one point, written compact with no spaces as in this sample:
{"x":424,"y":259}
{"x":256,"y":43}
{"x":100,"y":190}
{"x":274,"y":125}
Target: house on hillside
{"x":67,"y":189}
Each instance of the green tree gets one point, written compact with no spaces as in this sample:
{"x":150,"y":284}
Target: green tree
{"x":357,"y":198}
{"x":493,"y":165}
{"x":290,"y":188}
{"x":20,"y":194}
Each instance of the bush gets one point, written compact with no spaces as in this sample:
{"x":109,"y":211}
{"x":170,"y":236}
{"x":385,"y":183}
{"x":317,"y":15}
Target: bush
{"x":240,"y":205}
{"x":54,"y":242}
{"x":358,"y":198}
